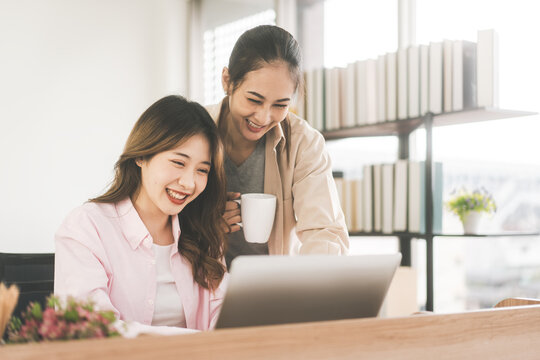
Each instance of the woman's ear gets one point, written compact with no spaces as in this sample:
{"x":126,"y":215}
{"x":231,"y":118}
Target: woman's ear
{"x":139,"y":161}
{"x":225,"y":80}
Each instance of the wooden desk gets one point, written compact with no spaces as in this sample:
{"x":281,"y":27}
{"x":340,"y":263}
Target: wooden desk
{"x":504,"y":333}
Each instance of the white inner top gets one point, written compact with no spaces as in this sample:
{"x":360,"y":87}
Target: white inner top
{"x":168,"y":307}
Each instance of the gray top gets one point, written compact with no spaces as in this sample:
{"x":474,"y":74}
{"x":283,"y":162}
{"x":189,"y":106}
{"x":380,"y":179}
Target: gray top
{"x":246,"y":178}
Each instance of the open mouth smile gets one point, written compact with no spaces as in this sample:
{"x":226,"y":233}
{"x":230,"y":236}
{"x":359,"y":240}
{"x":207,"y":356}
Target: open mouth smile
{"x":176,"y":197}
{"x":254,"y":127}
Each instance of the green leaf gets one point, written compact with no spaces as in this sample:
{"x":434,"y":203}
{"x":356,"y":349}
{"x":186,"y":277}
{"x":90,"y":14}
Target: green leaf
{"x":109,"y":315}
{"x":15,"y":324}
{"x":36,"y":311}
{"x":71,"y":315}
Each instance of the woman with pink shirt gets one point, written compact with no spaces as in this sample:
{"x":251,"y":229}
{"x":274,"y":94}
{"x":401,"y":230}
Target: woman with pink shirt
{"x":151,"y":247}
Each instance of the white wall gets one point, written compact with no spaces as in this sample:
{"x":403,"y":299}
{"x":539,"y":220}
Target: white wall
{"x":74,"y":77}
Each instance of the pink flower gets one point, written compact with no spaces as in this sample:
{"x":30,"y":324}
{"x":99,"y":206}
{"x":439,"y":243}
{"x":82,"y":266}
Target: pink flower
{"x":74,"y":320}
{"x":83,"y":313}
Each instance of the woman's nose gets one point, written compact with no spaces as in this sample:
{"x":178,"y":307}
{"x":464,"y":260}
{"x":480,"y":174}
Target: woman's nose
{"x":187,"y":180}
{"x":263,"y":116}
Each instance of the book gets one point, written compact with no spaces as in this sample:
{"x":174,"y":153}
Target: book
{"x":391,"y":86}
{"x":413,"y":79}
{"x":463,"y":75}
{"x":362,"y":91}
{"x":366,"y":92}
{"x":337,"y":113}
{"x":340,"y":183}
{"x":424,"y":79}
{"x":358,"y":204}
{"x":371,"y":90}
{"x":332,"y":99}
{"x":402,"y":85}
{"x":417,"y":199}
{"x":328,"y":99}
{"x":377,"y":197}
{"x":438,"y":204}
{"x":436,"y":77}
{"x":447,"y":75}
{"x":381,"y":88}
{"x":487,"y":68}
{"x":367,"y":198}
{"x":400,"y":195}
{"x":349,"y":95}
{"x":387,"y":198}
{"x":347,"y":201}
{"x":310,"y":98}
{"x":319,"y":99}
{"x":299,"y":103}
{"x":342,"y":99}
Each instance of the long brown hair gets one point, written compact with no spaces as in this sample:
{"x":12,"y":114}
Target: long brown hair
{"x":164,"y":125}
{"x":257,"y":47}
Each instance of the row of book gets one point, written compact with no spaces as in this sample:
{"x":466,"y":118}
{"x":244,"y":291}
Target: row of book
{"x":446,"y":76}
{"x":390,"y":198}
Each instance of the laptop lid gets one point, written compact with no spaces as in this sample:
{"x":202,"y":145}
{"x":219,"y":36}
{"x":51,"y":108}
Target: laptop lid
{"x":266,"y":290}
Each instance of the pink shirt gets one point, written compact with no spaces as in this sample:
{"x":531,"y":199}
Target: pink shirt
{"x":104,"y":252}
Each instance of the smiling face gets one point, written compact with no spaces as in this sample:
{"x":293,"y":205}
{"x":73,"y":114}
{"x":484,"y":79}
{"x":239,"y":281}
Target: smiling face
{"x":261,"y":101}
{"x":172,"y":179}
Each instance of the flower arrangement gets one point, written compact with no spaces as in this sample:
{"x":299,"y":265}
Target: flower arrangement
{"x":464,"y":201}
{"x":72,"y":320}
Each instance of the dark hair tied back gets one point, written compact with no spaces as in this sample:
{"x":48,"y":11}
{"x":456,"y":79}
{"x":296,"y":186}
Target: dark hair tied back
{"x":264,"y":44}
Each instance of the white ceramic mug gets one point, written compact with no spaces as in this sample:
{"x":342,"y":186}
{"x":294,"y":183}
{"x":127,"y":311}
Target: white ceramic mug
{"x":258,"y":212}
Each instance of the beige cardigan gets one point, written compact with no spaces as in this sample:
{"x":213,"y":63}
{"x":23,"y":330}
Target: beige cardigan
{"x":309,"y":219}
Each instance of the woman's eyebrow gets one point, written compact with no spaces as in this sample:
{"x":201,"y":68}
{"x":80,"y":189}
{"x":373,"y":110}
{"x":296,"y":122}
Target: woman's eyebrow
{"x":262,"y":97}
{"x":189,"y":157}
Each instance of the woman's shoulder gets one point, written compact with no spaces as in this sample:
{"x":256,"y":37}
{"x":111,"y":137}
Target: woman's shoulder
{"x":91,"y":212}
{"x":300,"y":129}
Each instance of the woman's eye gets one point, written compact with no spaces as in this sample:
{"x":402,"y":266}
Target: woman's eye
{"x":283,"y":106}
{"x":179,"y":163}
{"x":254,"y":101}
{"x":204,"y":171}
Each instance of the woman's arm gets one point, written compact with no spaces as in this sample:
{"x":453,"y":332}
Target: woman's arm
{"x":216,"y":300}
{"x":79,"y":262}
{"x":320,"y":221}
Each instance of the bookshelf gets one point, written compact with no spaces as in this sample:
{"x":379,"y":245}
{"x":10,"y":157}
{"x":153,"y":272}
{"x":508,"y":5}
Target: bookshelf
{"x":402,"y":129}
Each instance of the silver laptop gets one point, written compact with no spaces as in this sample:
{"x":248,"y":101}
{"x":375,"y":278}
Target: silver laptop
{"x":266,"y":290}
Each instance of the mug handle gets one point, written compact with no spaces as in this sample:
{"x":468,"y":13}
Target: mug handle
{"x":239,"y":201}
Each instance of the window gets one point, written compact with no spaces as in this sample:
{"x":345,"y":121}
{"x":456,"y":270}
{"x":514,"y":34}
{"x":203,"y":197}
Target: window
{"x":501,"y":155}
{"x":356,"y":30}
{"x":218,"y":44}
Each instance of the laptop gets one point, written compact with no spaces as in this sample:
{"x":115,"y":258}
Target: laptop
{"x":267,"y":290}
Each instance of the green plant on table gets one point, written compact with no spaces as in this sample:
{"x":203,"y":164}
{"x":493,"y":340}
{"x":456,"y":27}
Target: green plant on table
{"x":463,"y":201}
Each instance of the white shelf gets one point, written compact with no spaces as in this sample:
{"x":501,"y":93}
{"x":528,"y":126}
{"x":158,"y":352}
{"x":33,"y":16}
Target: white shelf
{"x":477,"y":115}
{"x":405,"y":126}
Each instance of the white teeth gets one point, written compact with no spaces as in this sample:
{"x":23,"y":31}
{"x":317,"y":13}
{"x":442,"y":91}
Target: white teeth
{"x":254,"y":125}
{"x":176,"y":195}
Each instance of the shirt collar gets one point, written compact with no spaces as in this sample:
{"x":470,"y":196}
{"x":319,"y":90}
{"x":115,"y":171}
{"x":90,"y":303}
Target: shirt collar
{"x":133,"y":227}
{"x":277,"y":136}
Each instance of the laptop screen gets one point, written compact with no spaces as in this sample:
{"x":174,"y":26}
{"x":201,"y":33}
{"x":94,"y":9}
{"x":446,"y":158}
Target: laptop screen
{"x":266,"y":290}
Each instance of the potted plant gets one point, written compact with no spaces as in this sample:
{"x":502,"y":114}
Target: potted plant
{"x":469,"y":206}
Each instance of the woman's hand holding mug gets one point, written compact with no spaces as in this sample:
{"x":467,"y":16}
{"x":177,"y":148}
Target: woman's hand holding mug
{"x":232,"y":212}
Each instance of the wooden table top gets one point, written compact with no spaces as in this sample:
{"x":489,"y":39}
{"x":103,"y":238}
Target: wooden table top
{"x":505,"y":333}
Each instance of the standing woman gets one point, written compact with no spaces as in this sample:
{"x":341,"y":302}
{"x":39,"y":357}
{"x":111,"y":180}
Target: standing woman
{"x":151,"y":248}
{"x":269,"y":149}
